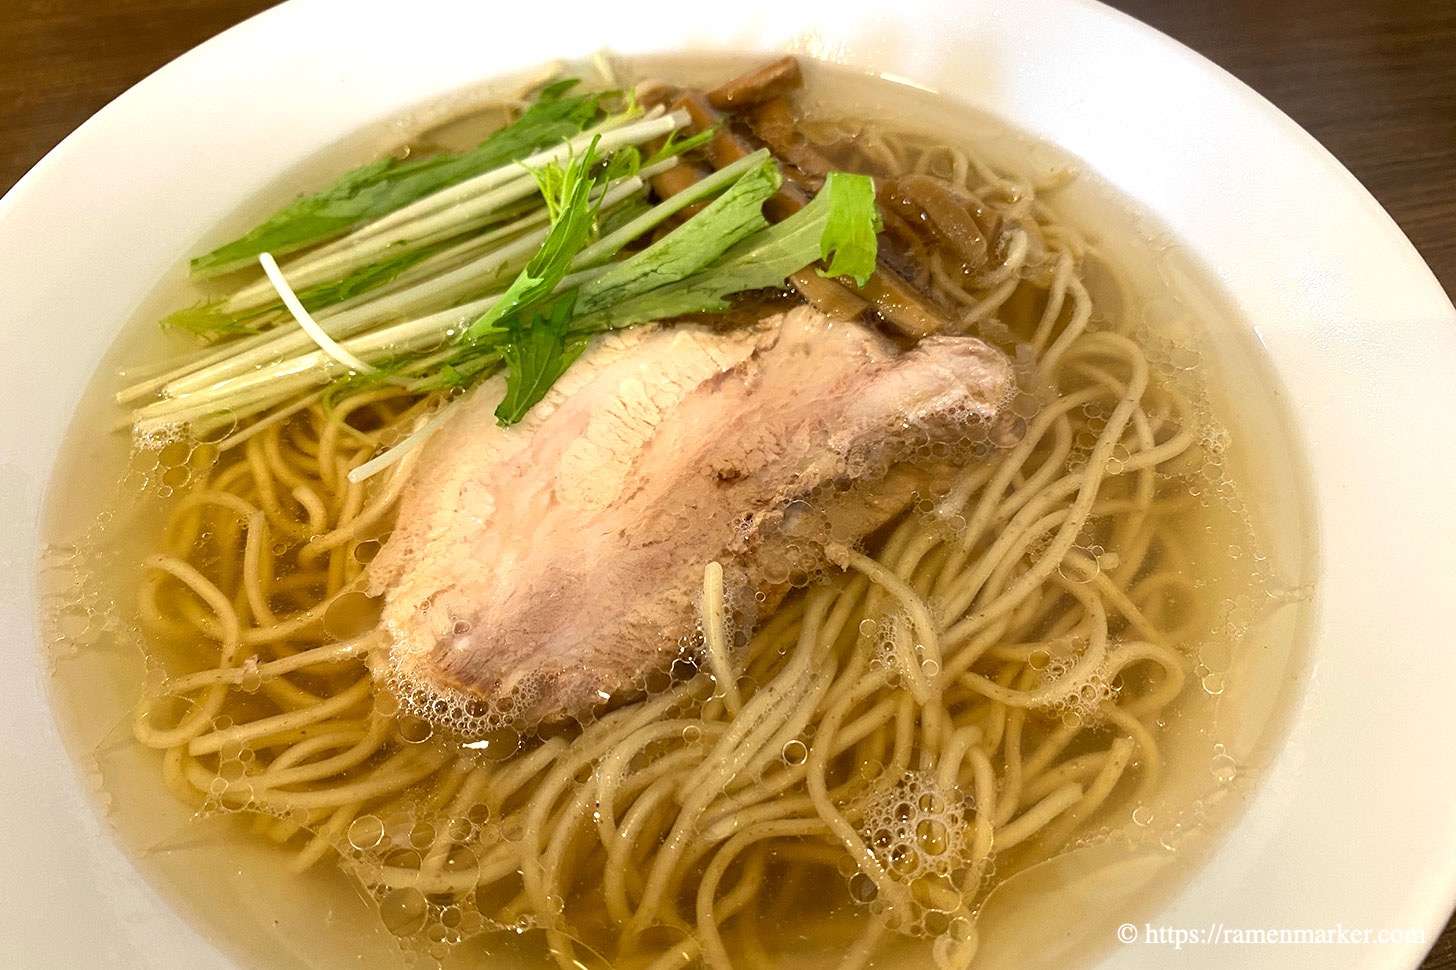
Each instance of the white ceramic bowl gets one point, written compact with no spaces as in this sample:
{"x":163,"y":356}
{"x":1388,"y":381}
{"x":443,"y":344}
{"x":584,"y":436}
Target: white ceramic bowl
{"x":1354,"y":820}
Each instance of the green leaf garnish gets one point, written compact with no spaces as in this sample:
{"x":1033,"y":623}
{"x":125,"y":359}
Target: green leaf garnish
{"x":567,"y":191}
{"x":673,"y":145}
{"x":733,"y":216}
{"x":727,"y":248}
{"x":557,"y":238}
{"x":388,"y":184}
{"x":765,"y":259}
{"x":848,"y":242}
{"x":539,"y":351}
{"x":211,"y":321}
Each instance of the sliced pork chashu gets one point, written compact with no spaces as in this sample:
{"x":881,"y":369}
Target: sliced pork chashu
{"x":546,"y":567}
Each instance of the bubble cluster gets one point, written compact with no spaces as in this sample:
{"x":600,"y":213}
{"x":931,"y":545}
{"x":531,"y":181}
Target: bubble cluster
{"x":164,"y":463}
{"x":424,"y":705}
{"x":78,"y":605}
{"x":915,"y":828}
{"x":894,"y":647}
{"x":1079,"y":693}
{"x":389,"y":854}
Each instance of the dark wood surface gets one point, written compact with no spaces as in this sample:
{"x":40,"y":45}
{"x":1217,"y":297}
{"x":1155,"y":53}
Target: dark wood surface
{"x":1374,"y":80}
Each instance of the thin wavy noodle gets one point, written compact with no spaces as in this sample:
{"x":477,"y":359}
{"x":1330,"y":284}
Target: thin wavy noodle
{"x":961,"y":702}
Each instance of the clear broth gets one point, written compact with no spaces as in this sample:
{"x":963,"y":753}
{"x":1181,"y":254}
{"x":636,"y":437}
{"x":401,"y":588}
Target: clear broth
{"x":239,"y":888}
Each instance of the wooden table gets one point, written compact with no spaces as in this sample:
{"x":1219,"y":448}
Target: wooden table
{"x":1374,"y":80}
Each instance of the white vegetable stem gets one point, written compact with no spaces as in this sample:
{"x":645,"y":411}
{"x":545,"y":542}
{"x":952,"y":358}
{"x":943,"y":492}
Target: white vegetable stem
{"x":262,"y":371}
{"x":264,"y":387}
{"x":445,"y":214}
{"x":614,"y":132}
{"x":300,"y":313}
{"x":385,"y":459}
{"x":370,"y":309}
{"x":608,"y":245}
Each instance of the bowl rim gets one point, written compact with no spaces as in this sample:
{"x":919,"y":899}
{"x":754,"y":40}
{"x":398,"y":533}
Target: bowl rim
{"x":1357,"y":328}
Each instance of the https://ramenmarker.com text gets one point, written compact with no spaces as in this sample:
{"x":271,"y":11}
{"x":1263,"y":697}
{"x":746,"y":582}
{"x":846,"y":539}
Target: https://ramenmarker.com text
{"x":1217,"y":934}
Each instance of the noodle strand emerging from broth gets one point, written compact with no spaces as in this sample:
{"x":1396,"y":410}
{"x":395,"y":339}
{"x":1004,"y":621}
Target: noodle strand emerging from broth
{"x":960,"y":702}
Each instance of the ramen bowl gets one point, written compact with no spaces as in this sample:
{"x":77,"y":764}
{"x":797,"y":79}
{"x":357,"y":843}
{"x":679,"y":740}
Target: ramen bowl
{"x":1341,"y":336}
